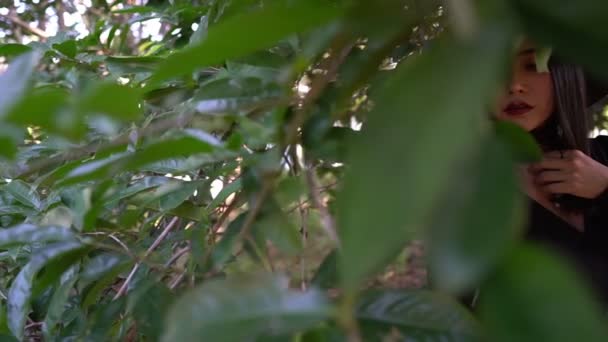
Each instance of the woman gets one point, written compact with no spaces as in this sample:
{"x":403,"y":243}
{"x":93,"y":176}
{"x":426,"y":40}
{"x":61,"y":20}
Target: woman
{"x":568,"y":188}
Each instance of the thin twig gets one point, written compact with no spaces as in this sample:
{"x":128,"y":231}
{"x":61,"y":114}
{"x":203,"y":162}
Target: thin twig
{"x":33,"y":325}
{"x":177,"y":280}
{"x":3,"y":295}
{"x":327,"y":221}
{"x":177,"y":255}
{"x":26,"y":26}
{"x":155,"y":244}
{"x":122,"y":244}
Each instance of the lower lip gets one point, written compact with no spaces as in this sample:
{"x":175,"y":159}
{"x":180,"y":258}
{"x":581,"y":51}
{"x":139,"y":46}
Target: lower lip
{"x":517,"y":112}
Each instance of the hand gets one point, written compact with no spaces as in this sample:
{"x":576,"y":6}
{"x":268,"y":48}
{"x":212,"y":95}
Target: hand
{"x":570,"y":172}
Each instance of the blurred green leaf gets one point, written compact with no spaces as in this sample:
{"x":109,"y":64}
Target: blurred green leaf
{"x":11,"y":50}
{"x":576,"y":30}
{"x":21,"y":288}
{"x":264,"y":65}
{"x":261,"y":29}
{"x":477,"y":221}
{"x":97,"y":266}
{"x":243,"y":308}
{"x":408,"y":144}
{"x":222,"y":251}
{"x":227,"y":190}
{"x":57,"y":305}
{"x":229,"y":95}
{"x":161,"y":150}
{"x":118,"y":102}
{"x":328,"y":274}
{"x":24,"y":193}
{"x":149,"y":303}
{"x":29,"y":233}
{"x":47,"y":107}
{"x":123,"y":65}
{"x":135,"y":9}
{"x":273,"y":224}
{"x":417,"y":315}
{"x":14,"y":81}
{"x":8,"y":149}
{"x":68,"y":48}
{"x":556,"y":305}
{"x":522,"y":145}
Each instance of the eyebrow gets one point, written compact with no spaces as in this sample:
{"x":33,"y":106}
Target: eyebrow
{"x":527,"y":51}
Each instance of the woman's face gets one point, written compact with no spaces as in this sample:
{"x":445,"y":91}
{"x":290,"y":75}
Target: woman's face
{"x":528,"y":100}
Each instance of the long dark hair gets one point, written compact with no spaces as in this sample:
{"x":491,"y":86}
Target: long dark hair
{"x":569,"y":125}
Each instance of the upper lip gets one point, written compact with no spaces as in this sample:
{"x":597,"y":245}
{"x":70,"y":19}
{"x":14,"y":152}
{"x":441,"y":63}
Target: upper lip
{"x":517,"y":104}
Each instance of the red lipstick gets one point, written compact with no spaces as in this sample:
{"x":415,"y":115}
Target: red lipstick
{"x":516,"y":108}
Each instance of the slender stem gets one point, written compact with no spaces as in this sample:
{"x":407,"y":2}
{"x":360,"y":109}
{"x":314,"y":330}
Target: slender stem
{"x":38,"y":32}
{"x":154,"y":245}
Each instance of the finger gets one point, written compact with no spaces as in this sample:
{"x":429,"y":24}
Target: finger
{"x":560,"y":154}
{"x":551,"y":164}
{"x":557,"y":188}
{"x":545,"y":177}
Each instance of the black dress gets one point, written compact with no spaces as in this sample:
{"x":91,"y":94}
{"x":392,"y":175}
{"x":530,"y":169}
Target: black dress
{"x":587,"y":250}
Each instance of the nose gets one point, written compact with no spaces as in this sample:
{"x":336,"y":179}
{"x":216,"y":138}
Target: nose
{"x":516,"y":86}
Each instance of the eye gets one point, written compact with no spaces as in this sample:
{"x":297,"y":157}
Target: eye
{"x":530,"y":66}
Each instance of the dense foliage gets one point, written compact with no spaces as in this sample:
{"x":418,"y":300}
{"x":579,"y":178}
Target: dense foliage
{"x":246,"y":170}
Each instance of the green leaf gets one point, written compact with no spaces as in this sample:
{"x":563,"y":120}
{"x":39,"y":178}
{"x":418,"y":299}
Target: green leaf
{"x":11,"y":50}
{"x":21,"y":289}
{"x":534,"y":296}
{"x":14,"y":81}
{"x":122,"y":65}
{"x":58,"y":301}
{"x":116,"y":101}
{"x":228,"y":95}
{"x":264,"y":65}
{"x":223,"y":249}
{"x":327,"y":275}
{"x":542,"y":59}
{"x":261,"y":28}
{"x":408,"y":144}
{"x":68,"y":48}
{"x":97,"y":266}
{"x":47,"y":107}
{"x":273,"y":224}
{"x":55,"y":268}
{"x":8,"y":148}
{"x":29,"y":233}
{"x":522,"y":144}
{"x":24,"y":194}
{"x":226,"y":191}
{"x":576,"y":31}
{"x":171,"y":195}
{"x":135,"y":9}
{"x":168,"y":149}
{"x":416,"y":315}
{"x":107,"y":278}
{"x":477,"y":221}
{"x":149,"y":303}
{"x":243,"y":308}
